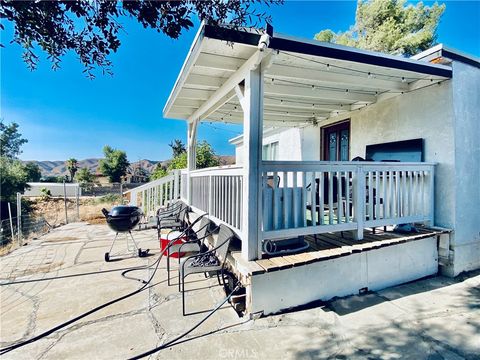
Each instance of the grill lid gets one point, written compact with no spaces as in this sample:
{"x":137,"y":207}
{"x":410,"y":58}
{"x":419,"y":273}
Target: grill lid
{"x":124,"y":210}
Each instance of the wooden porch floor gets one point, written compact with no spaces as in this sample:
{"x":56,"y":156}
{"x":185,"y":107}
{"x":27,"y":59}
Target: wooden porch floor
{"x":333,"y":245}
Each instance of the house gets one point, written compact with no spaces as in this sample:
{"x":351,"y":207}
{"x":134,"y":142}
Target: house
{"x":135,"y":175}
{"x":308,"y":108}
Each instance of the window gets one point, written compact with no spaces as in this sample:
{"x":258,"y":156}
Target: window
{"x":270,"y":151}
{"x":336,"y":142}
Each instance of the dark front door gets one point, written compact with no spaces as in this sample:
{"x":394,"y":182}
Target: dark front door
{"x":336,"y":142}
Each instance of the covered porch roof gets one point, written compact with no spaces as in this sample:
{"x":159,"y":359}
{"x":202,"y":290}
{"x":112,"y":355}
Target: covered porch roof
{"x":305,"y":81}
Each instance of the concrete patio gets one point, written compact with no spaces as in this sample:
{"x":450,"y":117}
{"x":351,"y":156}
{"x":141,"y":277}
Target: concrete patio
{"x":433,"y":318}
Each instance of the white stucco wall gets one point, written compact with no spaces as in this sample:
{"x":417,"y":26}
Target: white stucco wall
{"x":426,"y":113}
{"x":466,"y":106}
{"x":274,"y":291}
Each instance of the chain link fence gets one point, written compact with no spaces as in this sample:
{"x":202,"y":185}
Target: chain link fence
{"x":31,"y":227}
{"x":40,"y":214}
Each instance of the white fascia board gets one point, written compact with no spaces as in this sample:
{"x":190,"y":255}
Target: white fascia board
{"x":193,"y":53}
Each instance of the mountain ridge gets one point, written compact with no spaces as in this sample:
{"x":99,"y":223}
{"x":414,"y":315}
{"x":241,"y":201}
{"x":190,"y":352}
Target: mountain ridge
{"x":58,"y":167}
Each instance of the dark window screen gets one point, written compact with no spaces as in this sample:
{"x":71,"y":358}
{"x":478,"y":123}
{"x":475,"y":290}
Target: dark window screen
{"x":405,"y":151}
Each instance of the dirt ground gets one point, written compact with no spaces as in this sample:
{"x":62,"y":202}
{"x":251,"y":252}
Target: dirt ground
{"x":89,"y":209}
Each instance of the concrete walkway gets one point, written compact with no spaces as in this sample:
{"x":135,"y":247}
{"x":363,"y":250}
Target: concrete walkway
{"x":437,"y":318}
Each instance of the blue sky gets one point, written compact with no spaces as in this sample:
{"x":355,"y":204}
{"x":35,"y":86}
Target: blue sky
{"x":63,"y":114}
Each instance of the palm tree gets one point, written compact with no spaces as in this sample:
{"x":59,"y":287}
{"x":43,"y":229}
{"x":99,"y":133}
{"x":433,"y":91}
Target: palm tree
{"x":72,"y":167}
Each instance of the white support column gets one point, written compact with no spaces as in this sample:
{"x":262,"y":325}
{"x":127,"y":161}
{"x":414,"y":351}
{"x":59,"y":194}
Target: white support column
{"x":191,"y":154}
{"x":252,"y":104}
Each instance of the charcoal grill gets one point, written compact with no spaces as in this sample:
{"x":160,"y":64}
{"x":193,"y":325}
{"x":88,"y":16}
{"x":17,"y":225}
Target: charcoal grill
{"x":122,"y":219}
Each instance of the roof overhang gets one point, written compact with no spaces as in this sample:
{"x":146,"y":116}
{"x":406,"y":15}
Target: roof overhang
{"x":306,"y":80}
{"x":441,"y":54}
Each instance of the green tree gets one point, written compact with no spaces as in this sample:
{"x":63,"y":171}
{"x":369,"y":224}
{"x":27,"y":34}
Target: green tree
{"x":390,"y":26}
{"x":206,"y":156}
{"x":91,"y":28}
{"x":10,"y":140}
{"x":179,"y":162}
{"x":115,"y":164}
{"x":84,"y":175}
{"x":33,"y":172}
{"x":159,"y":172}
{"x":178,"y":147}
{"x":13,"y":178}
{"x":72,"y":167}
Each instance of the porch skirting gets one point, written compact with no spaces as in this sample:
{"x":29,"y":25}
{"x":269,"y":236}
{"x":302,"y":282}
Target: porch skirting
{"x":271,"y":292}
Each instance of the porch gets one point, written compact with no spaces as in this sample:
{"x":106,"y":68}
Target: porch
{"x":266,"y":80}
{"x":337,"y":265}
{"x":263,"y":80}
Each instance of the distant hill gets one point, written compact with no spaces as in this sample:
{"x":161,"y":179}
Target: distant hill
{"x":58,"y":168}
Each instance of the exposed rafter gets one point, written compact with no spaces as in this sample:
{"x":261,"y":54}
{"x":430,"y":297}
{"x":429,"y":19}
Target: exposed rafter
{"x":290,"y":91}
{"x":329,"y":77}
{"x":229,"y":85}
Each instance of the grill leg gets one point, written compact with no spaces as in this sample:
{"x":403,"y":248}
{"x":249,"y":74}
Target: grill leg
{"x":134,"y":243}
{"x":113,"y":242}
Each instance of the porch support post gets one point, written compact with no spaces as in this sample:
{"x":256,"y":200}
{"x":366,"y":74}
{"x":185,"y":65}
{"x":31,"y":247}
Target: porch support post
{"x":252,"y":104}
{"x":191,"y":155}
{"x":359,"y":202}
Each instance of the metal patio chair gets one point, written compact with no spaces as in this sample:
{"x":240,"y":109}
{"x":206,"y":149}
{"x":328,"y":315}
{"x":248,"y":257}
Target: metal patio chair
{"x":174,"y":220}
{"x":192,"y":240}
{"x":212,"y":261}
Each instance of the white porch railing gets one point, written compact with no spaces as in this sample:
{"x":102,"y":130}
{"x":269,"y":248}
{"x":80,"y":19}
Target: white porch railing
{"x":150,"y":196}
{"x":218,"y":191}
{"x":303,"y":198}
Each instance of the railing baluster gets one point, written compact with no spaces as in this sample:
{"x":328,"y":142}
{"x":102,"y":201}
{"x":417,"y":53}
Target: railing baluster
{"x":295,"y":199}
{"x":370,"y":196}
{"x":348,"y":176}
{"x":422,"y":189}
{"x":285,"y":200}
{"x":313,"y":199}
{"x":432,"y":196}
{"x":410,"y":193}
{"x":330,"y":198}
{"x":304,"y":198}
{"x":384,"y":192}
{"x":339,"y":198}
{"x":377,"y":194}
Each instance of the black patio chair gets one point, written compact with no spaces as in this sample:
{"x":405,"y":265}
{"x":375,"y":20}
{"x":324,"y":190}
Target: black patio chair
{"x":192,"y":240}
{"x":174,"y":220}
{"x":170,"y":210}
{"x":212,"y":261}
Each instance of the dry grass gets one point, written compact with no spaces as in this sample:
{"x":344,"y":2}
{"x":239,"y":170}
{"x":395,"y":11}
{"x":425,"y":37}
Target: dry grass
{"x":53,"y":210}
{"x":8,"y":248}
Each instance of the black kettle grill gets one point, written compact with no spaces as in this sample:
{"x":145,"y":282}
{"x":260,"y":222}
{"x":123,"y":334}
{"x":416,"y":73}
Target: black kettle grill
{"x":122,"y":219}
